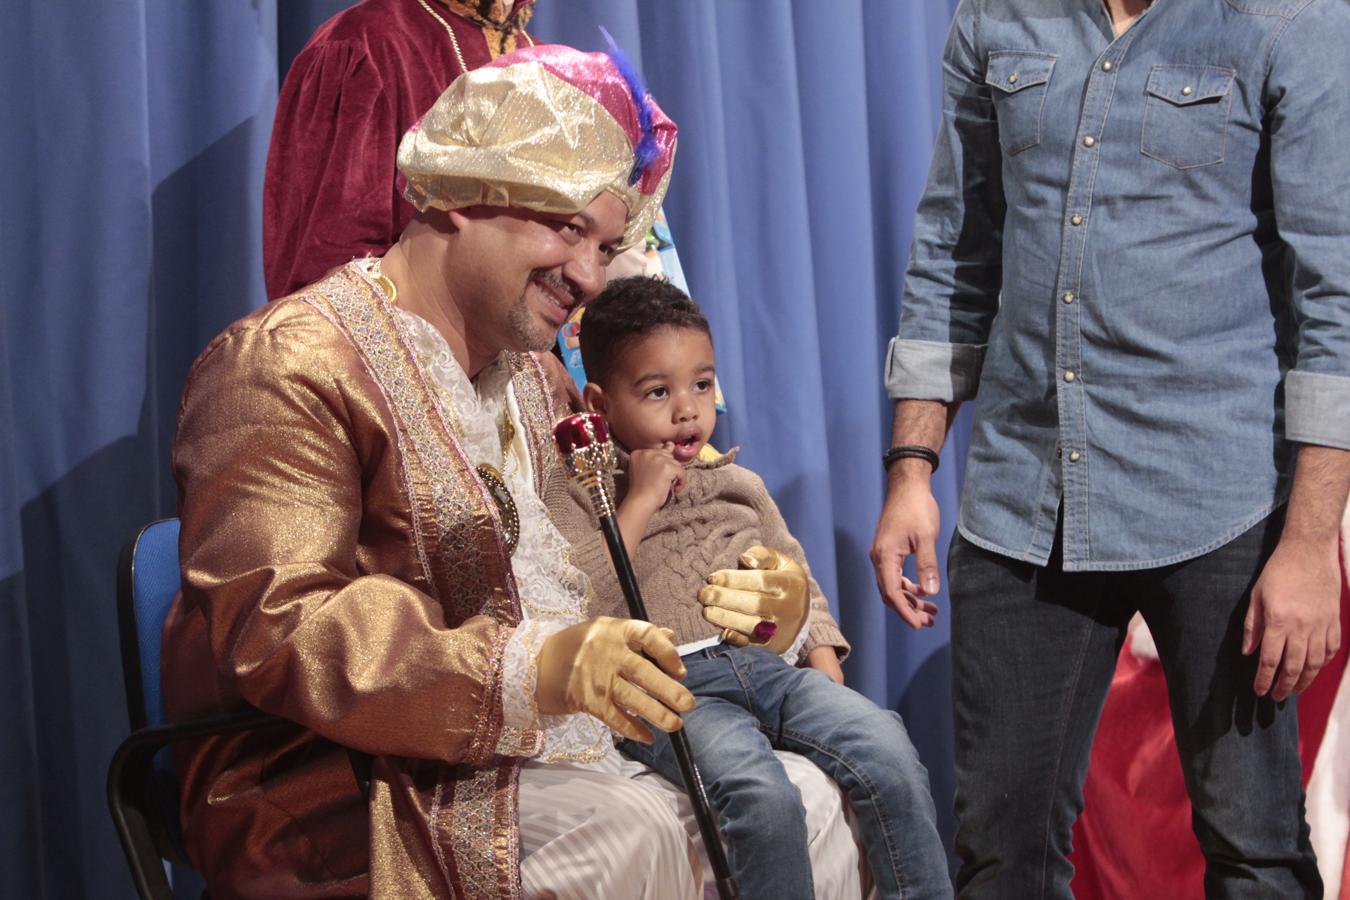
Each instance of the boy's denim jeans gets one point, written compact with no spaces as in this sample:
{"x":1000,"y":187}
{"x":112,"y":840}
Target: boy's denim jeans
{"x":749,"y":702}
{"x":1034,"y":649}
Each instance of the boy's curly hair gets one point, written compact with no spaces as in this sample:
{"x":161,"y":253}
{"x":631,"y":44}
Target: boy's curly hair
{"x":629,"y":308}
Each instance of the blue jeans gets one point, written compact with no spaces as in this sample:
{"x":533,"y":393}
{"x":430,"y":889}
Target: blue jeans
{"x":750,"y":702}
{"x":1033,"y":651}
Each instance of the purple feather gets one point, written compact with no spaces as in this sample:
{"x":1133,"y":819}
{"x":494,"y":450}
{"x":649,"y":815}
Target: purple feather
{"x":646,"y":152}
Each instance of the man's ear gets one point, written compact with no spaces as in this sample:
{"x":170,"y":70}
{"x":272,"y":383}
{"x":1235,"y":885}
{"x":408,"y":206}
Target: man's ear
{"x":594,"y":396}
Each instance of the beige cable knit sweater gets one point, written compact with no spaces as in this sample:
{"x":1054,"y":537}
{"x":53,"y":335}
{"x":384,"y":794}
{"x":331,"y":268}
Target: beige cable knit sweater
{"x":723,"y":510}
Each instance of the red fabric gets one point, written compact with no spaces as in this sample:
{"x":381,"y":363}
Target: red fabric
{"x":365,"y":76}
{"x":1134,"y":837}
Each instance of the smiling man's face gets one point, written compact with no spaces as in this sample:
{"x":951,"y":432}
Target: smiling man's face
{"x":519,"y":274}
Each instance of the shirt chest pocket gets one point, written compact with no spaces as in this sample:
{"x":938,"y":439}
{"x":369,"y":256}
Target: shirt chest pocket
{"x":1186,"y":115}
{"x":1020,"y":80}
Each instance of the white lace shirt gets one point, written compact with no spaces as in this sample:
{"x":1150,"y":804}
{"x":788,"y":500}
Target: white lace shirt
{"x":553,"y":592}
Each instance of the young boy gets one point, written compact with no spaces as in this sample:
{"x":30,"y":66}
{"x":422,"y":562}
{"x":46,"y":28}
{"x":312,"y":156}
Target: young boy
{"x":685,"y":514}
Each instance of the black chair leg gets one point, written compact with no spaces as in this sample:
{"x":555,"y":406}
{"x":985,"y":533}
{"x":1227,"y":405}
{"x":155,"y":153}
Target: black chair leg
{"x":129,"y":776}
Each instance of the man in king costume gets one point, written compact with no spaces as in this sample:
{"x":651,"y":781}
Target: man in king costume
{"x":365,"y":554}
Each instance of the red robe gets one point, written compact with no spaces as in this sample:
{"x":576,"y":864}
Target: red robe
{"x":366,"y":75}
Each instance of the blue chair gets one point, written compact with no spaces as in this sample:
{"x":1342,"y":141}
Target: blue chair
{"x":143,"y":790}
{"x":142,"y":787}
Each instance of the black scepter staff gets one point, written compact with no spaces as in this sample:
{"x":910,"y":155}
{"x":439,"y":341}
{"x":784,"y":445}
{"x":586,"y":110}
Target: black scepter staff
{"x":588,"y":455}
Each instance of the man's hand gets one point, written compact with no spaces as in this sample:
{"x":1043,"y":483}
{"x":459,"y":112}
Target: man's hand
{"x":908,"y":527}
{"x":596,"y":667}
{"x":765,"y":602}
{"x":1294,"y":617}
{"x":826,"y":660}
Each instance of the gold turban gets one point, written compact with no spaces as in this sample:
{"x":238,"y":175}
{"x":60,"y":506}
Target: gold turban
{"x":545,"y":128}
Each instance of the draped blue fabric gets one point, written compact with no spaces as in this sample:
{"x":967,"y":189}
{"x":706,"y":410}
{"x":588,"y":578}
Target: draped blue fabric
{"x":130,"y":185}
{"x":131,"y":172}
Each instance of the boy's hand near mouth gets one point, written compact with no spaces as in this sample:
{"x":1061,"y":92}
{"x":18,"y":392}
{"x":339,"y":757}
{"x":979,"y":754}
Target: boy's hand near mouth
{"x":653,"y":475}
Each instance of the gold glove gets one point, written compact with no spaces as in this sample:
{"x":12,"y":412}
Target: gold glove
{"x":765,"y":602}
{"x":596,"y":667}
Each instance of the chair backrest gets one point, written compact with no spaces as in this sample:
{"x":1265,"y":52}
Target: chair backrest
{"x":147,"y":580}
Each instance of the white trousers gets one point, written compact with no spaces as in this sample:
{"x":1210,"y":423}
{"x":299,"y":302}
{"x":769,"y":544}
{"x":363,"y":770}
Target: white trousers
{"x":618,"y":831}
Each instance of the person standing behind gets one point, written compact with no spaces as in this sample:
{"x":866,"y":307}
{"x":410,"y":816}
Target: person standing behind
{"x":1133,"y":253}
{"x":330,"y":190}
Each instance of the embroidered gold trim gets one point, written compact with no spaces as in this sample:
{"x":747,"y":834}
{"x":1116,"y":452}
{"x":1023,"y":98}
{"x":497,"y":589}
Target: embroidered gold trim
{"x":470,"y":578}
{"x":536,"y":413}
{"x":454,"y":41}
{"x":467,"y":571}
{"x":476,"y":811}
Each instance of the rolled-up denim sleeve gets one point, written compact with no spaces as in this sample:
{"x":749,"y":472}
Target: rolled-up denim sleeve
{"x":933,"y":370}
{"x":955,"y":263}
{"x":1308,"y":98}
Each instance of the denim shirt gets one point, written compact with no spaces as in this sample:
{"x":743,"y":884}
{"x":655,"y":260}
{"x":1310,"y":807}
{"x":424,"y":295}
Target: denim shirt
{"x":1134,"y":253}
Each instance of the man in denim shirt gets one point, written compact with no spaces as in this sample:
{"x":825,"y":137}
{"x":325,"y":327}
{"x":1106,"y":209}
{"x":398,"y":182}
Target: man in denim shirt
{"x":1134,"y":254}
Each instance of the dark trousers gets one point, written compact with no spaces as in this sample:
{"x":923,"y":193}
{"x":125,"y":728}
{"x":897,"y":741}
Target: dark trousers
{"x":1034,"y":650}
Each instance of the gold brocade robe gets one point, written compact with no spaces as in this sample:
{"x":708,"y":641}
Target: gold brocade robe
{"x":344,"y":568}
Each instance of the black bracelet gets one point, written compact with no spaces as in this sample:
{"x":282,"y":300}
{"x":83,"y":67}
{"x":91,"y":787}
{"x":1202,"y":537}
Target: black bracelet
{"x":909,"y":451}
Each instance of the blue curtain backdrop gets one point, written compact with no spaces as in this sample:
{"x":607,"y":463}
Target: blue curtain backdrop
{"x":130,"y":184}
